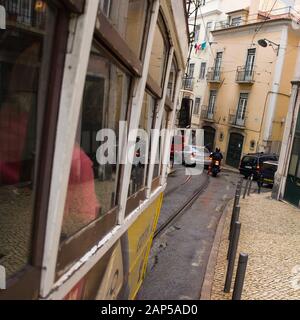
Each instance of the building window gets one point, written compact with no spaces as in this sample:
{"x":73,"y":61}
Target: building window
{"x":209,"y":28}
{"x":24,"y":68}
{"x":159,"y":54}
{"x":212,"y":102}
{"x":202,"y":70}
{"x":249,"y":67}
{"x":197,"y":32}
{"x":92,"y":191}
{"x":129,"y":18}
{"x":197,"y":106}
{"x":237,"y":21}
{"x":242,"y":107}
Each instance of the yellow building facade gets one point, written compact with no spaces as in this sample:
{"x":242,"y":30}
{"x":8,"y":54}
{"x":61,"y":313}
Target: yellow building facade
{"x":247,"y":97}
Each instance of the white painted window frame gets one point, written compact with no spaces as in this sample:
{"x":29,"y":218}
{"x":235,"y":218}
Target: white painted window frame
{"x":77,"y":58}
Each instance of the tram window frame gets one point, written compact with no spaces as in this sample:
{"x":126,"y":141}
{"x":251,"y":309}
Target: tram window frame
{"x":156,"y":180}
{"x":75,"y":246}
{"x":110,"y":37}
{"x":25,"y":284}
{"x":151,"y":82}
{"x":134,"y":199}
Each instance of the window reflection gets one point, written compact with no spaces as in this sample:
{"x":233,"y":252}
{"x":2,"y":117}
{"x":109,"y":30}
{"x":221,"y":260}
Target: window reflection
{"x":21,"y":83}
{"x":92,"y":191}
{"x":129,"y":19}
{"x":158,"y":164}
{"x":158,"y":56}
{"x":139,"y":168}
{"x":172,"y":82}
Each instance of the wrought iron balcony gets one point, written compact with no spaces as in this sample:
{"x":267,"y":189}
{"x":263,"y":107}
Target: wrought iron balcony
{"x":26,"y":13}
{"x":245,"y":75}
{"x":237,"y":121}
{"x":207,"y":114}
{"x":214,"y":75}
{"x":188,"y":83}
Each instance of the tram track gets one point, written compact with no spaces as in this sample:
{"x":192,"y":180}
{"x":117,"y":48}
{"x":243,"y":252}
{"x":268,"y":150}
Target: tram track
{"x":178,"y":213}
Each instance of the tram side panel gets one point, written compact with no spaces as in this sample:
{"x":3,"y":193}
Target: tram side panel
{"x":120,"y":272}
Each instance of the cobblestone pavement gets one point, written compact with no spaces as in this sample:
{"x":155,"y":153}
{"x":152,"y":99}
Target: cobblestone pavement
{"x":270,"y":234}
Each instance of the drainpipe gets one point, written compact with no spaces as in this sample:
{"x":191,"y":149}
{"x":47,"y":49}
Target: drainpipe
{"x":270,"y":113}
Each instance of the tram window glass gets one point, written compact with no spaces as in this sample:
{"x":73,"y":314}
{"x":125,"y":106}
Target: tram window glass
{"x":158,"y":56}
{"x":129,"y":18}
{"x":92,"y":191}
{"x":164,"y":125}
{"x":139,"y":168}
{"x":24,"y":55}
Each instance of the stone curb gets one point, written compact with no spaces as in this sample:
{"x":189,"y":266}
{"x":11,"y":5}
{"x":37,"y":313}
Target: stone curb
{"x":213,"y":257}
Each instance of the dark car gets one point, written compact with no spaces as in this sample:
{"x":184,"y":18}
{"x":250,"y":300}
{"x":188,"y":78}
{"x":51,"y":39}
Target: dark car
{"x":252,"y":163}
{"x":269,"y":168}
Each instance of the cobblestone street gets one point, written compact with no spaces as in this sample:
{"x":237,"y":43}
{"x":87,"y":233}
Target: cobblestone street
{"x":270,"y":235}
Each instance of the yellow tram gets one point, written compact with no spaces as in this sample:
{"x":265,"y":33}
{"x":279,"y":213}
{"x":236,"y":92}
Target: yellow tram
{"x":71,"y":228}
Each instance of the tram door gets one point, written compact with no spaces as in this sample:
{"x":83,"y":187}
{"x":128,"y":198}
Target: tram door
{"x":292,"y":192}
{"x":234,"y":151}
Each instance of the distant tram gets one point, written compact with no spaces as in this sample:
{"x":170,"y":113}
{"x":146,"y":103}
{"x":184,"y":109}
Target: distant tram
{"x":70,"y":227}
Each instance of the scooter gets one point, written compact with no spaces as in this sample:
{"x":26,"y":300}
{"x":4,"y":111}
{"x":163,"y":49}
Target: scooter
{"x":215,"y":168}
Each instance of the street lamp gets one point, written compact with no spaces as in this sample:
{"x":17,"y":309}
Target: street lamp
{"x":265,"y":42}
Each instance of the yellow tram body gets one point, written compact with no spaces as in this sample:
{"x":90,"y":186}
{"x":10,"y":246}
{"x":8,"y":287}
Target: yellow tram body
{"x":72,"y":227}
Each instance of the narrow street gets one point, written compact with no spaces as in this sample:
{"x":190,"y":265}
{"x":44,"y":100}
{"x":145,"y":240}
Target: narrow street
{"x":179,"y":255}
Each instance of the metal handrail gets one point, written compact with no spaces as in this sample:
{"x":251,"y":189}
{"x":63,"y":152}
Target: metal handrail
{"x":244,"y":74}
{"x":214,"y":74}
{"x":206,"y":114}
{"x":235,"y":121}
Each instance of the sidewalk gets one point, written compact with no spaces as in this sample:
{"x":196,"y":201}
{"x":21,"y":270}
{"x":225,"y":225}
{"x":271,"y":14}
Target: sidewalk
{"x":270,"y":235}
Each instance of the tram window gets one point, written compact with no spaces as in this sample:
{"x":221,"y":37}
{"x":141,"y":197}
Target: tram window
{"x":23,"y":74}
{"x":139,"y":168}
{"x":92,"y":190}
{"x":172,"y":81}
{"x":129,"y":18}
{"x":164,"y":125}
{"x":158,"y":56}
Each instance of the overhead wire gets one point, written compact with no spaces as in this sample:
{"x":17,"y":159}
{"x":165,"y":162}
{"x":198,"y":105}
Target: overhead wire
{"x":264,"y":22}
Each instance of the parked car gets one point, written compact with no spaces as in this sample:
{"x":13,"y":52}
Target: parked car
{"x":193,"y":155}
{"x":268,"y":171}
{"x":252,"y":163}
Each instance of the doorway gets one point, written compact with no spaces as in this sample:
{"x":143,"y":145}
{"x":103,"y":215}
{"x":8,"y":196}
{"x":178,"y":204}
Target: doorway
{"x":235,"y":148}
{"x":209,"y":138}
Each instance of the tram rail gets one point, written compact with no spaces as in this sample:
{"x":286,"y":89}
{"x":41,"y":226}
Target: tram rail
{"x":178,"y":213}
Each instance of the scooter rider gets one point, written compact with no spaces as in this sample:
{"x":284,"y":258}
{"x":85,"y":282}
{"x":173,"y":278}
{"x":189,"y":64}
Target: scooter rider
{"x":216,"y":156}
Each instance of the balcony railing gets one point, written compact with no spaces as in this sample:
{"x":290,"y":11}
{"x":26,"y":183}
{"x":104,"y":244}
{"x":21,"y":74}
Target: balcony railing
{"x":207,"y":114}
{"x":214,"y":75}
{"x":245,"y":75}
{"x":261,"y":16}
{"x":226,"y":24}
{"x":237,"y":121}
{"x":188,"y":83}
{"x":24,"y":12}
